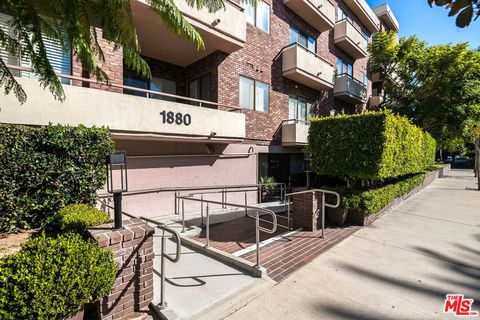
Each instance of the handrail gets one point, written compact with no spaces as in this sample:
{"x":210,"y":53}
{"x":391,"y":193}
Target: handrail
{"x":351,"y":78}
{"x":178,"y":241}
{"x":296,"y":121}
{"x":172,"y":189}
{"x":121,"y":86}
{"x":324,"y":204}
{"x":258,"y":228}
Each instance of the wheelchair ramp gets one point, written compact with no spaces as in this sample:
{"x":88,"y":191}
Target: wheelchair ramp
{"x":200,"y":287}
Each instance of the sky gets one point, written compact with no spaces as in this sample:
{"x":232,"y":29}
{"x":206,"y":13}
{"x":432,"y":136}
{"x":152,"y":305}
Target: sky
{"x":430,"y":24}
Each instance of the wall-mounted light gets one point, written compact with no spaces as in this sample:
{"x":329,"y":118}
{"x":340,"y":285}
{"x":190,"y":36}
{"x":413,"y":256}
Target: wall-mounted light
{"x":215,"y":22}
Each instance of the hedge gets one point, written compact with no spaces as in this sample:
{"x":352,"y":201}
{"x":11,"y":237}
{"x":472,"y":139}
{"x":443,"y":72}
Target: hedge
{"x":43,"y":169}
{"x":51,"y":278}
{"x":77,"y":218}
{"x":373,"y":200}
{"x":375,"y":145}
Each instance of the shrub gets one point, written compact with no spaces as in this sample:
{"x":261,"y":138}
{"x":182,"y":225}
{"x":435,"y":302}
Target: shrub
{"x":373,"y":200}
{"x":51,"y":278}
{"x":44,"y":169}
{"x":78,"y":218}
{"x":375,"y":145}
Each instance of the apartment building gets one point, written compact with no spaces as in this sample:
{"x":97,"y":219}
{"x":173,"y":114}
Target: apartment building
{"x":225,"y":115}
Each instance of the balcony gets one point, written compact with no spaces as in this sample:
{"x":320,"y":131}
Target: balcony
{"x":295,"y":133}
{"x":318,"y":13}
{"x":385,"y":13}
{"x":350,"y":90}
{"x":366,"y":15}
{"x":224,"y":30}
{"x":305,"y":67}
{"x":350,"y":40}
{"x":124,"y":115}
{"x":375,"y":101}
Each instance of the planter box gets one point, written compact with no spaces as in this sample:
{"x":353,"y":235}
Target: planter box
{"x":361,"y":218}
{"x":337,"y":216}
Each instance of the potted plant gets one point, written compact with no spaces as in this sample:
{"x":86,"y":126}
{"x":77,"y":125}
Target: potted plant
{"x":267,"y":184}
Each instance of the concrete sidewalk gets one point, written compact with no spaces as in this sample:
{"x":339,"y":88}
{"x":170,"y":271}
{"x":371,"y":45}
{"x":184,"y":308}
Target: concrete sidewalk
{"x":400,"y":267}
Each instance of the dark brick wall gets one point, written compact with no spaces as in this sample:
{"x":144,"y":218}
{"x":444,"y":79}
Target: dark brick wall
{"x":133,"y":251}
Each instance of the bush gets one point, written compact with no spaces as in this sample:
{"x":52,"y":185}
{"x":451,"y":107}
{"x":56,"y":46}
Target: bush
{"x":44,"y":169}
{"x":51,"y":278}
{"x":77,"y":218}
{"x":374,"y":200}
{"x":375,"y":145}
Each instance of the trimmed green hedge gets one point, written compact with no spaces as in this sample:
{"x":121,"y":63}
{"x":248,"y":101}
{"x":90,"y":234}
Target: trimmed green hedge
{"x":77,"y":218}
{"x":51,"y":278}
{"x":44,"y":169}
{"x":375,"y":145}
{"x":373,"y":200}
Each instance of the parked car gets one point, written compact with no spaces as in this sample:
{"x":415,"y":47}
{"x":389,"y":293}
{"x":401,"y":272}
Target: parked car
{"x":462,"y":163}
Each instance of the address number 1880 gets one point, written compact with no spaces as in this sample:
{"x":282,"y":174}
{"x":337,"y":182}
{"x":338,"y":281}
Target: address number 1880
{"x":176,"y":118}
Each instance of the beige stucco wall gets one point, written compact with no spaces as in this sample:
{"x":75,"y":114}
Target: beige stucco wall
{"x":119,"y":112}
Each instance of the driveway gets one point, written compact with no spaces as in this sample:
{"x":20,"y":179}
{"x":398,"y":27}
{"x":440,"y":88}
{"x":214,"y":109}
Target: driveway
{"x":400,"y":267}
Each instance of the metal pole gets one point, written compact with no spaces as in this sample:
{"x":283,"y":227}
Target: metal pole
{"x":257,"y":235}
{"x":176,"y":204}
{"x":162,"y":304}
{"x":202,"y":224}
{"x":183,"y":215}
{"x":117,"y":204}
{"x":260,"y":194}
{"x":288,"y":212}
{"x":323,"y":215}
{"x":208,"y":228}
{"x":246,"y":210}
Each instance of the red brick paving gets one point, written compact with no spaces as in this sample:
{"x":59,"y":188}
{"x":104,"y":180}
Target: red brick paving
{"x":282,"y":257}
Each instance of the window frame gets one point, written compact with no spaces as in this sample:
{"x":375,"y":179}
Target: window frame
{"x":345,"y":62}
{"x":199,"y":86}
{"x":297,"y":98}
{"x":304,"y":35}
{"x":255,"y":14}
{"x":254,"y":94}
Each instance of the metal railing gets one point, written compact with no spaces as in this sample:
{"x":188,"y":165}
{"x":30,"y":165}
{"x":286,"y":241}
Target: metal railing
{"x":258,"y":228}
{"x":123,"y":87}
{"x":324,"y":204}
{"x":163,"y":255}
{"x":224,"y":191}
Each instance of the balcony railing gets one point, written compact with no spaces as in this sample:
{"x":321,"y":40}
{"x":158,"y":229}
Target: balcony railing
{"x":349,"y":89}
{"x":306,"y":67}
{"x":295,"y":132}
{"x":385,"y":13}
{"x":318,"y":13}
{"x":350,"y":40}
{"x":364,"y":13}
{"x":165,"y":119}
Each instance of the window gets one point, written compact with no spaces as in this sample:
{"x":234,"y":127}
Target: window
{"x":302,"y":39}
{"x":341,"y":15}
{"x":254,"y":94}
{"x":364,"y":79}
{"x":299,"y":108}
{"x":258,"y":14}
{"x":60,"y":60}
{"x":132,"y":79}
{"x":163,"y":85}
{"x":200,"y":88}
{"x":344,"y":66}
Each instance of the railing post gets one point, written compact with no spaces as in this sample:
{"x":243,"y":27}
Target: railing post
{"x":163,"y":303}
{"x":183,"y":215}
{"x":259,"y":194}
{"x":257,"y":237}
{"x":175,"y":210}
{"x":208,"y":228}
{"x":288,"y":212}
{"x":201,"y":211}
{"x":246,"y":210}
{"x":323,"y":214}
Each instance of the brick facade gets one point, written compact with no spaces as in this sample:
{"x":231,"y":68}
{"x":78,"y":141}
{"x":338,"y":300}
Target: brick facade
{"x":133,"y":251}
{"x":307,"y":208}
{"x":260,"y":59}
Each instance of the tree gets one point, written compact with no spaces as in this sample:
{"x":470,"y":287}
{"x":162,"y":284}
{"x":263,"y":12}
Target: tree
{"x":438,"y":87}
{"x":465,"y":10}
{"x":69,"y":22}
